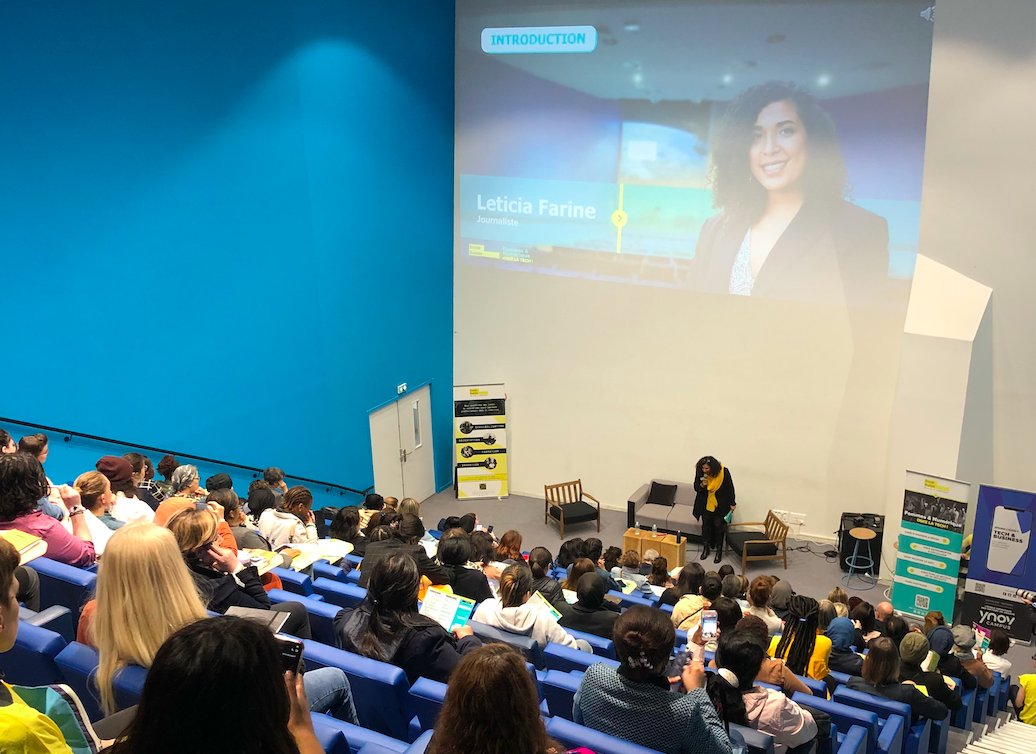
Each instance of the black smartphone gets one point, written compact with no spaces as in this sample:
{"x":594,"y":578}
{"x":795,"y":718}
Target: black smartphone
{"x":291,"y":652}
{"x":490,"y":529}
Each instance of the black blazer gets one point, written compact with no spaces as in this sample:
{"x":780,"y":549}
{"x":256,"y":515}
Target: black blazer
{"x":831,"y":252}
{"x":598,"y":622}
{"x":222,"y":590}
{"x":937,"y":688}
{"x":377,"y":551}
{"x":724,"y":496}
{"x":467,"y":582}
{"x":920,"y":705}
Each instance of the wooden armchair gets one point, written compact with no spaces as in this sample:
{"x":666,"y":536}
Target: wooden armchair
{"x":565,"y":504}
{"x":769,"y":544}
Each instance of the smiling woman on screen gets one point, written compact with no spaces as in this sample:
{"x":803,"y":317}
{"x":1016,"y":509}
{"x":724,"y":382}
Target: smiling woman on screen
{"x":785,"y":230}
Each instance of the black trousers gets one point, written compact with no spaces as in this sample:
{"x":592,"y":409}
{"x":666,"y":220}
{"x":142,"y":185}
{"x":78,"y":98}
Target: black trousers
{"x":28,"y":587}
{"x":713,"y":529}
{"x":298,"y":621}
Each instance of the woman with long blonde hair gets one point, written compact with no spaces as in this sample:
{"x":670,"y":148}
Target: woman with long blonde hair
{"x":144,"y":594}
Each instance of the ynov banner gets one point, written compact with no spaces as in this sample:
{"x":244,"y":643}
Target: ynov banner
{"x":930,"y":540}
{"x":1002,"y":571}
{"x":480,"y":440}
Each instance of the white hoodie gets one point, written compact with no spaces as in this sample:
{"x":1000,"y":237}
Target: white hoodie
{"x":527,"y":620}
{"x":282,"y":528}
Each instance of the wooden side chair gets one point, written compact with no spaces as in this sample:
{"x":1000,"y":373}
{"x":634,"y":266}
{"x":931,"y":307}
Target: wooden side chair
{"x":769,"y":544}
{"x":567,"y":503}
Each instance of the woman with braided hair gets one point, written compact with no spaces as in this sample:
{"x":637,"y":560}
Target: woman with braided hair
{"x":803,"y":649}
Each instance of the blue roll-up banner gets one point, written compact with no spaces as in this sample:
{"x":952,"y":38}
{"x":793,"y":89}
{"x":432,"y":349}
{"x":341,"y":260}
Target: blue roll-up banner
{"x":1001,"y":579}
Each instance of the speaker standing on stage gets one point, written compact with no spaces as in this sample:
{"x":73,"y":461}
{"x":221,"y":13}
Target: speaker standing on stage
{"x":713,"y":501}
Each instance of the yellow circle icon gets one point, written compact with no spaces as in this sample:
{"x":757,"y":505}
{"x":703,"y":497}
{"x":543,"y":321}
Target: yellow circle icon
{"x":619,"y":218}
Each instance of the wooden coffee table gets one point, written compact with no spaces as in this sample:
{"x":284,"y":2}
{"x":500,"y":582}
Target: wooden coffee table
{"x":641,"y":540}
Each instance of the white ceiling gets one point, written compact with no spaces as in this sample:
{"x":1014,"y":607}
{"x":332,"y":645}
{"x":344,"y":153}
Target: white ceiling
{"x":687,"y":50}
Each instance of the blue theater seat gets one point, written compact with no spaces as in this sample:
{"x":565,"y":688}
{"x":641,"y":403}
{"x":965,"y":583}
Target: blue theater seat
{"x":962,"y":718}
{"x":353,"y":577}
{"x":572,"y":735}
{"x":58,"y":619}
{"x":323,"y":569}
{"x":31,"y":661}
{"x":853,"y":742}
{"x":819,"y":688}
{"x":1005,"y":687}
{"x":426,"y":699}
{"x":844,"y":717}
{"x":758,"y":743}
{"x":353,"y":560}
{"x":559,"y":657}
{"x":339,"y":593}
{"x":601,"y":646}
{"x":914,"y":739}
{"x":321,"y":614}
{"x":531,"y":649}
{"x":293,"y":581}
{"x":630,"y":600}
{"x":380,"y":691}
{"x":994,"y":695}
{"x":418,"y":746}
{"x":559,"y":690}
{"x":64,"y":585}
{"x":339,"y":737}
{"x":78,"y":664}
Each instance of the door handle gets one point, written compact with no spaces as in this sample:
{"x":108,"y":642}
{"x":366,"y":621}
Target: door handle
{"x":402,"y":455}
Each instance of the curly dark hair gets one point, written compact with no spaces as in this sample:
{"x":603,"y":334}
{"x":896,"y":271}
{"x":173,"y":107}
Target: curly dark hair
{"x":733,"y":190}
{"x":167,"y":465}
{"x":22,"y":484}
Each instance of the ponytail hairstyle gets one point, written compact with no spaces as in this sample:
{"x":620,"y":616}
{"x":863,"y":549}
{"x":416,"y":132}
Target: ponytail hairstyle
{"x":92,"y":487}
{"x":644,"y":639}
{"x":738,"y":659}
{"x":539,"y":562}
{"x":392,"y":597}
{"x":515,"y":584}
{"x":800,"y":633}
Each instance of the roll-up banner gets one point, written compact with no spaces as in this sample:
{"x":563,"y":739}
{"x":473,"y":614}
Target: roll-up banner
{"x":930,"y":540}
{"x":480,"y":440}
{"x":1001,"y":583}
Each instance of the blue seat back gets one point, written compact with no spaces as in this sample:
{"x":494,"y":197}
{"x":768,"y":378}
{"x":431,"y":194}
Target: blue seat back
{"x":380,"y":691}
{"x":129,"y":685}
{"x":667,"y":609}
{"x":840,"y":678}
{"x":843,"y":716}
{"x":758,"y":743}
{"x":418,"y":746}
{"x":353,"y":560}
{"x":559,"y":657}
{"x":819,"y":688}
{"x":78,"y":665}
{"x":531,"y":649}
{"x":631,"y":600}
{"x":324,"y":570}
{"x":896,"y":716}
{"x":293,"y":581}
{"x":339,"y":593}
{"x":962,"y":718}
{"x":353,"y":577}
{"x":31,"y":660}
{"x":64,"y":585}
{"x":572,"y":735}
{"x":58,"y":619}
{"x":994,"y":694}
{"x":559,"y":690}
{"x":601,"y":646}
{"x":854,"y":741}
{"x":335,"y":733}
{"x":1005,"y":686}
{"x":321,"y":614}
{"x":426,"y":699}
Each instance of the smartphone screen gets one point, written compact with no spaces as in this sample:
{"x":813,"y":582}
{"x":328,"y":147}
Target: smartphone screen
{"x":708,"y":625}
{"x":291,"y":652}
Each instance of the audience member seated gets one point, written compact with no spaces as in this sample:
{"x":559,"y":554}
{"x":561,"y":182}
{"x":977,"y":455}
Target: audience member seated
{"x":22,"y":727}
{"x":882,"y":612}
{"x":896,"y":629}
{"x":95,"y":493}
{"x":292,"y":521}
{"x":173,"y":505}
{"x":128,"y":507}
{"x":372,"y":503}
{"x":932,"y":619}
{"x":941,"y":640}
{"x":996,"y":656}
{"x":913,"y":650}
{"x":7,"y":443}
{"x":387,"y":627}
{"x":725,"y":570}
{"x":511,"y":612}
{"x":687,"y":612}
{"x":780,"y":597}
{"x":220,"y":481}
{"x":219,"y":575}
{"x":540,"y":562}
{"x":759,"y":594}
{"x":862,"y":617}
{"x":728,"y":613}
{"x":733,"y":691}
{"x":593,"y":550}
{"x":404,"y":539}
{"x":346,"y":526}
{"x":411,"y":506}
{"x":148,"y":489}
{"x":454,"y":552}
{"x":881,"y":677}
{"x":38,"y":446}
{"x":570,"y":551}
{"x":576,"y":571}
{"x":611,"y":558}
{"x":486,"y":680}
{"x":202,"y":668}
{"x":805,"y":652}
{"x":826,"y":613}
{"x":385,"y":517}
{"x":509,"y":550}
{"x":22,"y":485}
{"x":589,"y":613}
{"x":659,"y":575}
{"x":774,"y":672}
{"x":274,"y":477}
{"x":1023,"y":695}
{"x":187,"y":483}
{"x":635,"y":703}
{"x":688,"y":581}
{"x":246,"y":535}
{"x":843,"y":659}
{"x":167,"y":464}
{"x":839,"y":595}
{"x":260,"y":499}
{"x":629,"y":572}
{"x":964,"y":651}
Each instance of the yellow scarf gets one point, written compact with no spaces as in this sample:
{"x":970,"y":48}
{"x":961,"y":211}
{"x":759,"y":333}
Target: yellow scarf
{"x":713,"y":483}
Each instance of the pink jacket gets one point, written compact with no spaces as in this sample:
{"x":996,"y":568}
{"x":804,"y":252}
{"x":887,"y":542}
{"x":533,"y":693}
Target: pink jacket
{"x":773,"y":713}
{"x":61,"y":546}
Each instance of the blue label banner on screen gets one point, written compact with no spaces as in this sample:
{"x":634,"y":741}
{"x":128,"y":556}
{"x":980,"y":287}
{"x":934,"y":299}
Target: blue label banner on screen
{"x":929,"y":547}
{"x":1000,"y":551}
{"x":539,"y":39}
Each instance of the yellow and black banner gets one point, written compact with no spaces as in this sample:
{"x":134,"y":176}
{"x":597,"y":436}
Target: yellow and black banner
{"x":480,"y":440}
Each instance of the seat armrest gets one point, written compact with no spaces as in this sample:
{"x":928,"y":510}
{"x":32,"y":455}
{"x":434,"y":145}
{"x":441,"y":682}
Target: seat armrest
{"x":747,"y":523}
{"x":640,"y":497}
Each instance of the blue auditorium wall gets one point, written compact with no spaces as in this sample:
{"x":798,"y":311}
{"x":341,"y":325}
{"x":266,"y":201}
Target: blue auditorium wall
{"x":227,"y":226}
